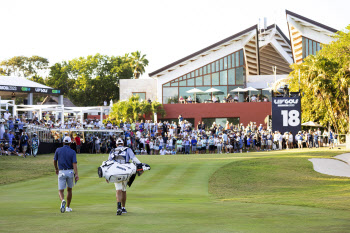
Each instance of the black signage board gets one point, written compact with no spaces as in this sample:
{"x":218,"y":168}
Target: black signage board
{"x":30,"y":90}
{"x":286,"y":114}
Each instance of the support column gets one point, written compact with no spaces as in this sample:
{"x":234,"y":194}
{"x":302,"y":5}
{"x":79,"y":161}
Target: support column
{"x":62,"y":116}
{"x":40,"y":114}
{"x":60,"y":102}
{"x":30,"y":102}
{"x":81,"y":117}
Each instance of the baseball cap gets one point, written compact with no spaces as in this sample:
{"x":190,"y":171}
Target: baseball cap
{"x":67,"y":139}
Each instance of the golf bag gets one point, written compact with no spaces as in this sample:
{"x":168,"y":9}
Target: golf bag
{"x":116,"y":172}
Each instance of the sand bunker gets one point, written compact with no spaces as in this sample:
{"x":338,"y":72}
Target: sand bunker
{"x":333,"y":167}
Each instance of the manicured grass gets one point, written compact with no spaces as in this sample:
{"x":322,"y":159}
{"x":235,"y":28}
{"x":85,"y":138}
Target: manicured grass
{"x":247,"y":194}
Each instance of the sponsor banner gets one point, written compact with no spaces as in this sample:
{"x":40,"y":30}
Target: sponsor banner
{"x":286,"y":114}
{"x":30,"y":89}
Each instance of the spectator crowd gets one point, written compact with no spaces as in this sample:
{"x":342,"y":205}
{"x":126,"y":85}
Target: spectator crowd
{"x":162,"y":137}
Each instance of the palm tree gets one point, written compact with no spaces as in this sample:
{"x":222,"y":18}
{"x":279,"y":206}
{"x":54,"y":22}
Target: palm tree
{"x":138,"y":63}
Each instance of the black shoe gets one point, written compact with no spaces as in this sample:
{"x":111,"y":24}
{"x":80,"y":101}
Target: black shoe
{"x":119,"y":212}
{"x":124,"y":211}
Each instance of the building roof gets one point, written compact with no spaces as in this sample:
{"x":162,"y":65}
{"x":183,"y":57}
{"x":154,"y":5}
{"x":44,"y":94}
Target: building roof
{"x":310,"y":21}
{"x":50,"y":99}
{"x":217,"y":44}
{"x":20,"y":81}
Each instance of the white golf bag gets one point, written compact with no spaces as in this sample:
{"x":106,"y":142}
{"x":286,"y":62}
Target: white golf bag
{"x":116,"y":172}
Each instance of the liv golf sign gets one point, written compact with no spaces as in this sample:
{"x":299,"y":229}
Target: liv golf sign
{"x":286,"y":114}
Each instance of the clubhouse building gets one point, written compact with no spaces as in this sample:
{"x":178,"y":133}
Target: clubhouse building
{"x":254,"y":59}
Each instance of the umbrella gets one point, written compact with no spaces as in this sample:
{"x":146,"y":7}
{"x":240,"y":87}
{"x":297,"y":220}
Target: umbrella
{"x":194,"y":91}
{"x":250,"y":89}
{"x":238,"y":89}
{"x":212,"y":90}
{"x":311,"y":124}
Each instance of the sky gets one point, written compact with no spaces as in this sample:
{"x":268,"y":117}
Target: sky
{"x":165,"y":31}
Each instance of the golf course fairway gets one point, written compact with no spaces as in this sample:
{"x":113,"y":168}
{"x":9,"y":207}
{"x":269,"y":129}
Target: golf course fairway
{"x":250,"y":192}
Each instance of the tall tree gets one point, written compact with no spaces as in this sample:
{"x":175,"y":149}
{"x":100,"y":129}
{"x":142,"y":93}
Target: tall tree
{"x":24,"y":66}
{"x":138,"y":63}
{"x":324,"y":81}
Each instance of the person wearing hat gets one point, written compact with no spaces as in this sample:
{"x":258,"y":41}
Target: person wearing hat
{"x":35,"y":144}
{"x":65,"y":163}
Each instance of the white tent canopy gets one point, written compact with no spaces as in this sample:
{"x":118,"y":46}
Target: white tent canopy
{"x":61,"y":109}
{"x":311,"y":124}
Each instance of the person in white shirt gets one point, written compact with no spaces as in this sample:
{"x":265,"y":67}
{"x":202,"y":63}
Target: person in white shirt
{"x":214,"y":99}
{"x":162,"y":151}
{"x":7,"y":115}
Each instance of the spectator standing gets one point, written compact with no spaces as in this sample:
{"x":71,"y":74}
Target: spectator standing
{"x":77,"y":143}
{"x":35,"y":144}
{"x":65,"y":163}
{"x":7,"y":115}
{"x":24,"y":143}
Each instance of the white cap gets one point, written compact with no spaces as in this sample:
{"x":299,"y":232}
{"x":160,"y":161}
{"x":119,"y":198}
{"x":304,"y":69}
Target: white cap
{"x":67,"y":139}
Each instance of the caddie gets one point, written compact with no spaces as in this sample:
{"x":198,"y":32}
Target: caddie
{"x":122,"y":155}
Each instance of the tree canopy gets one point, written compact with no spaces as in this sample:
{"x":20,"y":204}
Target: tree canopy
{"x":133,"y":110}
{"x":324,"y":82}
{"x":86,"y":81}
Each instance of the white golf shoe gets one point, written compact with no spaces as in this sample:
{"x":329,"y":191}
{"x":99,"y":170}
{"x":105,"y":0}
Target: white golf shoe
{"x":68,"y":209}
{"x":63,"y":206}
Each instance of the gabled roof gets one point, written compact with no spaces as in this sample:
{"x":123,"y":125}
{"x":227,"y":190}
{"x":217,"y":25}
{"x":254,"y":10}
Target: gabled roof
{"x":217,"y":44}
{"x":280,"y":32}
{"x":310,"y":21}
{"x":20,"y":81}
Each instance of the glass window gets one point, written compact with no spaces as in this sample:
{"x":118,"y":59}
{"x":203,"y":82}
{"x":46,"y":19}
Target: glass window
{"x":167,"y":85}
{"x":201,"y":98}
{"x":213,"y":67}
{"x":220,"y":95}
{"x":196,"y":73}
{"x":237,"y":58}
{"x":208,"y":69}
{"x":204,"y":69}
{"x":306,"y":47}
{"x":142,"y":95}
{"x":207,"y":79}
{"x":217,"y":65}
{"x":215,"y":78}
{"x":184,"y":94}
{"x":192,"y":74}
{"x":190,"y":82}
{"x":318,"y":46}
{"x":241,"y":58}
{"x":310,"y":47}
{"x":240,"y":95}
{"x":200,"y":71}
{"x":170,"y":94}
{"x":221,"y":64}
{"x":199,"y":81}
{"x":175,"y":84}
{"x":182,"y":83}
{"x":266,"y":94}
{"x":303,"y":47}
{"x":229,"y":61}
{"x":231,"y":77}
{"x":188,"y":76}
{"x":239,"y":76}
{"x":233,"y":60}
{"x":223,"y":77}
{"x":225,"y":63}
{"x":314,"y":47}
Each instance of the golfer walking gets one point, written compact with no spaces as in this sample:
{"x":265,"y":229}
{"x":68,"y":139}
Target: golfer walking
{"x":67,"y":172}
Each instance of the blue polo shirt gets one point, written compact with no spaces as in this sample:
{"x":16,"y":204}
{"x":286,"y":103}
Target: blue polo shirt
{"x":65,"y":157}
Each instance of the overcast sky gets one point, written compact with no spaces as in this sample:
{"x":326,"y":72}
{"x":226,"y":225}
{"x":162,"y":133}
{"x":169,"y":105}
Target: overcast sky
{"x":163,"y":30}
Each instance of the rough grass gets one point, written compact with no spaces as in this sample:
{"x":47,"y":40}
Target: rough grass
{"x":174,"y":196}
{"x":15,"y":168}
{"x":284,"y":178}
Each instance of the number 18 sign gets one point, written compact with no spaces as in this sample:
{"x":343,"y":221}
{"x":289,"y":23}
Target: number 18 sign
{"x":286,"y":114}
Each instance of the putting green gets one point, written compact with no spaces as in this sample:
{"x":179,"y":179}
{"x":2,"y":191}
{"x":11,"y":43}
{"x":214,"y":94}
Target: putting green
{"x":254,"y":192}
